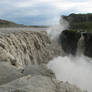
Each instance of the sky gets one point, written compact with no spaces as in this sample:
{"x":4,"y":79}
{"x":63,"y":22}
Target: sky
{"x":41,"y":12}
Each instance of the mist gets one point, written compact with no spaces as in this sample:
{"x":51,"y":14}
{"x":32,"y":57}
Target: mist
{"x":77,"y":69}
{"x":55,"y":30}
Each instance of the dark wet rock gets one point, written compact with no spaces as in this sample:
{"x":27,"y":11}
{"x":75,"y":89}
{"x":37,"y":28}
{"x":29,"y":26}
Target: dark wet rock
{"x":88,"y":44}
{"x":69,"y":40}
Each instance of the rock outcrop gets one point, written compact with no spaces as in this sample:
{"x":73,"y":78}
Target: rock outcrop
{"x":87,"y":44}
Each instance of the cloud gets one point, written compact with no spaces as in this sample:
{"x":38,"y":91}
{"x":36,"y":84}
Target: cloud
{"x":48,"y":10}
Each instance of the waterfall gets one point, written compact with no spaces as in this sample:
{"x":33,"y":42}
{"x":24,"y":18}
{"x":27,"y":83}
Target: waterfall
{"x":25,"y":48}
{"x":80,"y":46}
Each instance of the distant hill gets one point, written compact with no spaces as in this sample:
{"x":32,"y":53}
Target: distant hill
{"x":80,"y":21}
{"x":5,"y":23}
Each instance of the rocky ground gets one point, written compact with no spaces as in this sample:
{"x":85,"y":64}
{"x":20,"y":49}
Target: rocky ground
{"x":35,"y":78}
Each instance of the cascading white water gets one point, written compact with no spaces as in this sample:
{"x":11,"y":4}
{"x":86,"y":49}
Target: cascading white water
{"x":80,"y":46}
{"x":74,"y":69}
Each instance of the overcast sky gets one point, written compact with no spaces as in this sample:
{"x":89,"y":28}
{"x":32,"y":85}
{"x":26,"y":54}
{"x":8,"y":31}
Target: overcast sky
{"x":41,"y":12}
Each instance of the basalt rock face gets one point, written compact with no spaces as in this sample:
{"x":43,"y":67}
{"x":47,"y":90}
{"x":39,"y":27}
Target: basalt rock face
{"x":25,"y":48}
{"x":88,"y":44}
{"x":69,"y":40}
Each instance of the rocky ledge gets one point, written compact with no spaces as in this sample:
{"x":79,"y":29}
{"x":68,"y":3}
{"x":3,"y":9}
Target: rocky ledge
{"x":35,"y":78}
